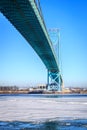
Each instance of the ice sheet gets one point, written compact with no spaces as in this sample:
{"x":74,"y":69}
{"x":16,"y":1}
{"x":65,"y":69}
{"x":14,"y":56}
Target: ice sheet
{"x":37,"y":109}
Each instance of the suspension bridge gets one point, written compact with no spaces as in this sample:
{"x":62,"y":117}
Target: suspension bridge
{"x":25,"y":16}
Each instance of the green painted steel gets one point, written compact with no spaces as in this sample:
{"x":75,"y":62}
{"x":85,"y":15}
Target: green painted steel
{"x":26,"y":18}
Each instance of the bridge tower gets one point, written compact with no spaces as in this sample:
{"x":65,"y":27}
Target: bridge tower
{"x":53,"y":77}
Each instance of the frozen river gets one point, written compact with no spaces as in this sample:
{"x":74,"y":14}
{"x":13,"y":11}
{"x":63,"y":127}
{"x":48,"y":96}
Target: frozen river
{"x":42,"y":108}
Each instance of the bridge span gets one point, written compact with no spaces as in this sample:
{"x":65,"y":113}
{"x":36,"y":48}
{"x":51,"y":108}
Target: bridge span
{"x":27,"y":19}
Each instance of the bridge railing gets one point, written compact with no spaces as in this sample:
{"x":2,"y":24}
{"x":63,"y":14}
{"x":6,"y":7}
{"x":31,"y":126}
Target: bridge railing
{"x":46,"y":31}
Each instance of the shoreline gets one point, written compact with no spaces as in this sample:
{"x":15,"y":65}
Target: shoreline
{"x":41,"y":92}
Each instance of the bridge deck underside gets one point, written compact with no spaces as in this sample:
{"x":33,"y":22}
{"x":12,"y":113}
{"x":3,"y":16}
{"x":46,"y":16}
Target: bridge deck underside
{"x":25,"y":17}
{"x":22,"y":15}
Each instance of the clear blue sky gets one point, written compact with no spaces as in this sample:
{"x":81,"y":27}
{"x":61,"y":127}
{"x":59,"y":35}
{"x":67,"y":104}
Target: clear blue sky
{"x":20,"y":65}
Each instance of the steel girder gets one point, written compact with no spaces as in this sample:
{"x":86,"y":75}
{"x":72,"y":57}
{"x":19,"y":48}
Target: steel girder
{"x":54,"y":81}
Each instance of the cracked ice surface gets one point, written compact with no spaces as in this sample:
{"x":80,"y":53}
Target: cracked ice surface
{"x":14,"y":108}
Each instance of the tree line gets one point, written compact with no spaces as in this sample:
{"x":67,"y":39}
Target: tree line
{"x":8,"y":88}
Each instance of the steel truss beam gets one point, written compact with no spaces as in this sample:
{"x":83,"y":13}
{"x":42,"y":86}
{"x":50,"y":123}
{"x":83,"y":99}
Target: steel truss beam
{"x":54,"y":81}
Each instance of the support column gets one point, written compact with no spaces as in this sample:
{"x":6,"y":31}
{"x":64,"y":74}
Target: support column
{"x":53,"y":81}
{"x":47,"y":78}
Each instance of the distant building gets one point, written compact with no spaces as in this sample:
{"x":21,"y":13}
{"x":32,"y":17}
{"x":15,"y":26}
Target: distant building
{"x":42,"y":87}
{"x":53,"y":87}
